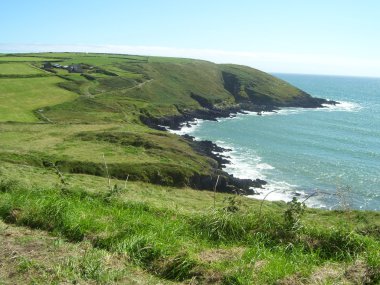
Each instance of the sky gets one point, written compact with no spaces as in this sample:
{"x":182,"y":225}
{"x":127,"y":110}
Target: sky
{"x":292,"y":36}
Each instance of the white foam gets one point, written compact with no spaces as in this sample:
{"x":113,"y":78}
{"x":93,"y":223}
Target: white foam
{"x":264,"y":166}
{"x":282,"y":111}
{"x":245,"y":164}
{"x":283,"y":191}
{"x":186,"y":128}
{"x":275,"y":191}
{"x":343,"y":106}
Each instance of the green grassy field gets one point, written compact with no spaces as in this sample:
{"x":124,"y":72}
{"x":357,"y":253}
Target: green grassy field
{"x":153,"y":86}
{"x":18,"y":69}
{"x":44,"y":259}
{"x":91,"y":195}
{"x":19,"y":97}
{"x":177,"y":235}
{"x":19,"y":58}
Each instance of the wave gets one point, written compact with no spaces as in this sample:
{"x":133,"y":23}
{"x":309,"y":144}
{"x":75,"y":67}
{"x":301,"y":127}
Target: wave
{"x":283,"y":111}
{"x":277,"y":191}
{"x":283,"y":191}
{"x":343,"y":106}
{"x":246,"y":164}
{"x":186,"y":128}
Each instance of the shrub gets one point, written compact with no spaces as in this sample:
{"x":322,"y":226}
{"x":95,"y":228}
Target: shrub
{"x":177,"y":268}
{"x":293,"y":214}
{"x":337,"y":244}
{"x":221,"y":225}
{"x":7,"y":185}
{"x":142,"y":250}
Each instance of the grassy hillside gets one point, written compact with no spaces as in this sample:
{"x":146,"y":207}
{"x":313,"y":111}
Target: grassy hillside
{"x":18,"y":69}
{"x":20,"y":97}
{"x":141,"y":233}
{"x":129,"y":86}
{"x":89,"y":194}
{"x":108,"y":97}
{"x":239,"y":80}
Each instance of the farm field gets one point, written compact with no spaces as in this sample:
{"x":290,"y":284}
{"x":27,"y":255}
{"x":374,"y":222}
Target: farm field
{"x":20,"y":97}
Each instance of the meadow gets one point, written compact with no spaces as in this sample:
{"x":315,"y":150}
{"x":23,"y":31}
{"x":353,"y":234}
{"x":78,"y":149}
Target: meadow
{"x":19,"y":97}
{"x":167,"y":235}
{"x":89,"y":194}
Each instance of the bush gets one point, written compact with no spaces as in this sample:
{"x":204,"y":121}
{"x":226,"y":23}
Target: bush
{"x":293,"y":214}
{"x":7,"y":185}
{"x":337,"y":244}
{"x":221,"y":225}
{"x":177,"y":268}
{"x":142,"y":250}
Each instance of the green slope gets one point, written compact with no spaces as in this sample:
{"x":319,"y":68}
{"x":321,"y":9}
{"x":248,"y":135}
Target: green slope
{"x":177,"y":235}
{"x":77,"y":162}
{"x":19,"y":97}
{"x":108,"y":98}
{"x":155,"y":86}
{"x":117,"y":90}
{"x":254,"y":85}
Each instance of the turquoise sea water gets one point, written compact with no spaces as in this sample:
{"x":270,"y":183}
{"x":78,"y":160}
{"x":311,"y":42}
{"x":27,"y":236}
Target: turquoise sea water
{"x":330,"y":150}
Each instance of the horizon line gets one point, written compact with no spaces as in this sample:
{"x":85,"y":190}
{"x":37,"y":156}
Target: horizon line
{"x":266,"y":62}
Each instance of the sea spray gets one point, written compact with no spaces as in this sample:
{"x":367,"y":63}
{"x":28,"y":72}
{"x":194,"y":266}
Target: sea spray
{"x":299,"y":151}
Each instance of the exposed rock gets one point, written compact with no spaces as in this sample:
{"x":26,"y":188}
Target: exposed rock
{"x":262,"y":103}
{"x":227,"y":183}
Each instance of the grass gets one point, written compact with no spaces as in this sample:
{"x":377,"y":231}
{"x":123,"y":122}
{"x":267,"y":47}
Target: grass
{"x":175,"y":243}
{"x":21,"y":58}
{"x":19,"y":97}
{"x":35,"y":257}
{"x":18,"y":69}
{"x":132,"y":150}
{"x":152,"y":228}
{"x":261,"y":87}
{"x":125,"y":87}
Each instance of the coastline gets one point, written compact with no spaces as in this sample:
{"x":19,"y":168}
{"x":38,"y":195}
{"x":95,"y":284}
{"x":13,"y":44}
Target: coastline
{"x":228,"y":183}
{"x":243,"y":164}
{"x":229,"y":163}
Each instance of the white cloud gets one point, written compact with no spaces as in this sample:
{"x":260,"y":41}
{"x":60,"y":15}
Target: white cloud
{"x":270,"y":62}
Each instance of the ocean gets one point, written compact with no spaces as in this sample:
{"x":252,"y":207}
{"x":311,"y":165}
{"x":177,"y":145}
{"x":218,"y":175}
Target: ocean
{"x":328,"y":157}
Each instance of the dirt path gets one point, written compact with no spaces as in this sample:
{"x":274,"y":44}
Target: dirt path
{"x":33,"y":256}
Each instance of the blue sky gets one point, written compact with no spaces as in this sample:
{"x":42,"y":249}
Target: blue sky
{"x":318,"y":37}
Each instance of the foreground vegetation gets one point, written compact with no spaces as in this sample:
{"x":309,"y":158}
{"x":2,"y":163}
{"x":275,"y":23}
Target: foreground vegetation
{"x":91,"y":195}
{"x":177,"y":235}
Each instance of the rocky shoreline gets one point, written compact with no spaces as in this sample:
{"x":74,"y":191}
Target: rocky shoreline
{"x":212,"y":113}
{"x":227,"y":183}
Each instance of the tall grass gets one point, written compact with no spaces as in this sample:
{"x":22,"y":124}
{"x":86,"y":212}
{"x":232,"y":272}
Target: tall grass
{"x":167,"y":243}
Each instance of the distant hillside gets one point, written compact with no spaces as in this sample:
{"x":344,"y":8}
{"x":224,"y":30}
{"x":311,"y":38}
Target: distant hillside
{"x":123,"y":88}
{"x":95,"y":104}
{"x":92,"y":191}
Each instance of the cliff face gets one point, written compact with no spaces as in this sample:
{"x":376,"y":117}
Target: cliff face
{"x":209,"y":91}
{"x":246,"y":89}
{"x":251,"y":86}
{"x":111,"y":102}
